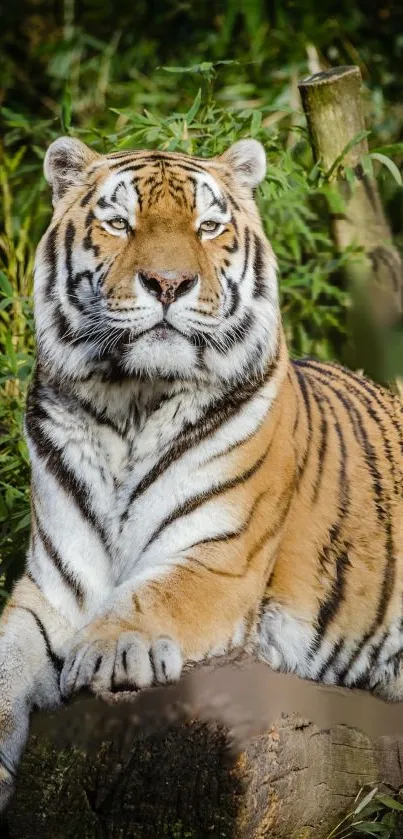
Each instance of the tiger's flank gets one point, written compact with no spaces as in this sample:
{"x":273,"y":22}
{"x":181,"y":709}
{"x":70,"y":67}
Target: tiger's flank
{"x":193,"y":490}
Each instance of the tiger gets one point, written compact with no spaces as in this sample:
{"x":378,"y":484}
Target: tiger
{"x":194,"y":490}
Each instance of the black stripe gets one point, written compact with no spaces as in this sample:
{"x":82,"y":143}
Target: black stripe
{"x":74,"y":282}
{"x":232,"y":534}
{"x":234,"y":247}
{"x":234,"y":203}
{"x":234,"y":298}
{"x":323,"y":445}
{"x":334,"y":549}
{"x":333,"y":601}
{"x":260,"y":290}
{"x":353,"y":386}
{"x":219,"y":412}
{"x":117,"y":187}
{"x":344,"y":488}
{"x":329,"y":662}
{"x":381,"y":502}
{"x":379,"y":394}
{"x":395,"y":660}
{"x":89,"y":218}
{"x":291,"y":379}
{"x":177,"y":192}
{"x":202,"y":498}
{"x":29,"y":573}
{"x":234,"y":334}
{"x":135,"y":167}
{"x":364,"y":680}
{"x":153,"y":156}
{"x":130,"y":167}
{"x":87,"y":242}
{"x":367,"y":448}
{"x":53,"y":458}
{"x":284,"y":503}
{"x":246,"y":259}
{"x":219,"y":572}
{"x":68,"y":244}
{"x":71,"y":583}
{"x":103,"y":204}
{"x":51,"y":259}
{"x":117,"y":155}
{"x":56,"y":660}
{"x":302,"y":382}
{"x":359,"y":433}
{"x":100,"y":417}
{"x":217,"y":201}
{"x":87,"y":198}
{"x":65,"y":333}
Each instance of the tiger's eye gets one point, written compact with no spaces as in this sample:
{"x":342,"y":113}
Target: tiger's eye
{"x":118,"y":223}
{"x":209,"y":226}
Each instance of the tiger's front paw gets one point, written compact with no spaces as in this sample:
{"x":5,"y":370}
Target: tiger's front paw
{"x":131,"y":662}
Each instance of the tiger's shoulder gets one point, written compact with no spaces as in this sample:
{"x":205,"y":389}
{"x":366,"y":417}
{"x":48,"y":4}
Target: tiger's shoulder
{"x":330,"y":377}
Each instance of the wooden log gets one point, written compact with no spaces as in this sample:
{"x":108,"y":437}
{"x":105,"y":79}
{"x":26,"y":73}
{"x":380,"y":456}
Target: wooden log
{"x":233,"y":751}
{"x":333,"y":107}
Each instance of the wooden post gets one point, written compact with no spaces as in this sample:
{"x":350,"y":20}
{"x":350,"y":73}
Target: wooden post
{"x":333,"y":107}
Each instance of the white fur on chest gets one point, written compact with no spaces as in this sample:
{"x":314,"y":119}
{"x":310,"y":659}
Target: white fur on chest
{"x":142,"y":525}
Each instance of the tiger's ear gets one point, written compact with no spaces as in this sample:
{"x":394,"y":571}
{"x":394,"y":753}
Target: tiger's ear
{"x":247,"y":160}
{"x":65,"y":163}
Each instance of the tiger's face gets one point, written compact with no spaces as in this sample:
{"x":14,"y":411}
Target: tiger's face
{"x":155,"y":264}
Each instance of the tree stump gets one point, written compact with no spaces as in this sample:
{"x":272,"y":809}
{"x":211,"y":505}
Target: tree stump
{"x":233,"y":751}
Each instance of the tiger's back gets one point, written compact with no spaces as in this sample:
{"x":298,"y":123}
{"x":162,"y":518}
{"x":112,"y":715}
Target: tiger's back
{"x":333,"y":605}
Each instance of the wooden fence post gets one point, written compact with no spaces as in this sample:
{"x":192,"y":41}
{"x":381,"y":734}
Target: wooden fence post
{"x":332,"y":103}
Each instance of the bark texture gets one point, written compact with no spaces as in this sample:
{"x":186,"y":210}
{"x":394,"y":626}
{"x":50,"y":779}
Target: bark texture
{"x":211,"y":757}
{"x":333,"y":107}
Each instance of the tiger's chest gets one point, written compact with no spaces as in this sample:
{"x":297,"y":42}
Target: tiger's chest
{"x":149,"y":485}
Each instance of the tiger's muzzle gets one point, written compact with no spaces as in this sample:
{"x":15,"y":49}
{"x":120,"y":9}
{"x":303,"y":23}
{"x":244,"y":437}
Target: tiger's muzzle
{"x":167,"y":286}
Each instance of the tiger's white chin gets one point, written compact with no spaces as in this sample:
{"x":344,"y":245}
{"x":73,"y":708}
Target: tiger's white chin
{"x":161,"y":352}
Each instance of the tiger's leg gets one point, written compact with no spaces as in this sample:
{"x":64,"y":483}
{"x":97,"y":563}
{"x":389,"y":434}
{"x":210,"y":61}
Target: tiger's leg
{"x":150,"y":629}
{"x":386,"y":678}
{"x":31,"y":635}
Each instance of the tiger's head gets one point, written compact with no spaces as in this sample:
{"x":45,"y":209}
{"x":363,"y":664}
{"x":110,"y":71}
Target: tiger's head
{"x":155,"y":265}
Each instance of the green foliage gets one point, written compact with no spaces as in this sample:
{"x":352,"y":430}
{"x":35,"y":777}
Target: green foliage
{"x":16,"y":359}
{"x":376,"y":813}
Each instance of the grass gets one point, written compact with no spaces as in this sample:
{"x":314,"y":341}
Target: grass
{"x":376,"y":812}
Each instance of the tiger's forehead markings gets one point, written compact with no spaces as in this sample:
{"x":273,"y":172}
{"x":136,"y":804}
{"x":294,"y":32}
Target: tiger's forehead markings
{"x":159,"y":181}
{"x":116,"y":193}
{"x":154,"y":175}
{"x":145,"y":158}
{"x":171,"y":161}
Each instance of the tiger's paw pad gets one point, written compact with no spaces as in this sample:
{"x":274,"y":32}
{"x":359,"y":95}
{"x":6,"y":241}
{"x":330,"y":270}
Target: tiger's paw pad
{"x":130,"y":663}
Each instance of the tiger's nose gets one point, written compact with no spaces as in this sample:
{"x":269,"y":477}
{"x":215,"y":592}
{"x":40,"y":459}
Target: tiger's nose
{"x":167,"y":286}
